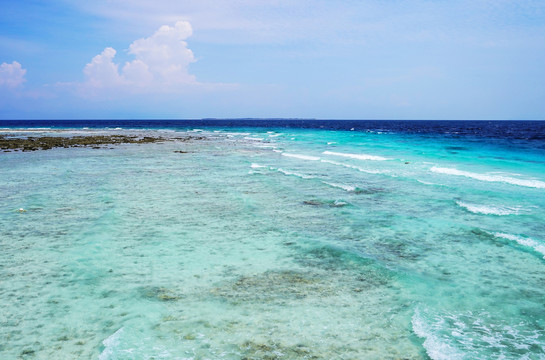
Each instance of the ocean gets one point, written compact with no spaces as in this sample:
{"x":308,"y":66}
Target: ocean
{"x":275,"y":239}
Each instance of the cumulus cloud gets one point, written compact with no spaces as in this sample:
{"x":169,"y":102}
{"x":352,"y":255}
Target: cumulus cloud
{"x":161,"y":63}
{"x":102,"y":71}
{"x":12,"y":75}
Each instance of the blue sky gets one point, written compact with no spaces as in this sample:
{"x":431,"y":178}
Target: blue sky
{"x":478,"y":59}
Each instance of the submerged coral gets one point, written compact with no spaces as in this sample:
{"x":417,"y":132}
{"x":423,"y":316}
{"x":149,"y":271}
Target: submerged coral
{"x":272,"y":286}
{"x":272,"y":351}
{"x":159,"y":293}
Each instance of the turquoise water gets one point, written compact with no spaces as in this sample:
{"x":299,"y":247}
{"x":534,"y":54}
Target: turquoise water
{"x":274,"y":244}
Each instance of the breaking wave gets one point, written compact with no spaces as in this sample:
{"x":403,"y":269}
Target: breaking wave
{"x":490,"y":210}
{"x":353,"y":167}
{"x":524,"y":241}
{"x":302,"y":157}
{"x":472,"y":336}
{"x":341,"y":186}
{"x":356,"y":156}
{"x":292,"y":173}
{"x":490,"y":177}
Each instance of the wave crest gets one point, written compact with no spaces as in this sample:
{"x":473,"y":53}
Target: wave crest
{"x":490,"y":178}
{"x":356,"y":156}
{"x":302,"y":157}
{"x":524,"y":241}
{"x":489,"y":210}
{"x":470,"y":335}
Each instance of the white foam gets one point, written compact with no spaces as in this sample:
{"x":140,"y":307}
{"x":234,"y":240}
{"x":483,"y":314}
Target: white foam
{"x":425,"y":182}
{"x":253,"y":138}
{"x":436,"y":348}
{"x":471,"y":335}
{"x":278,"y":151}
{"x":230,"y":134}
{"x":489,"y":177}
{"x":341,"y":186}
{"x":339,"y":203}
{"x":356,"y":156}
{"x":504,"y":173}
{"x":283,"y":171}
{"x":352,"y":167}
{"x":302,"y":176}
{"x":489,"y":210}
{"x":302,"y":157}
{"x":111,"y":343}
{"x":525,"y":241}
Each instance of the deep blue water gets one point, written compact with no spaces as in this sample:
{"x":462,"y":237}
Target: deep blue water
{"x":515,"y":130}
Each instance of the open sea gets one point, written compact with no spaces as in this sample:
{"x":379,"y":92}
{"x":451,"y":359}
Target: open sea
{"x":275,"y":239}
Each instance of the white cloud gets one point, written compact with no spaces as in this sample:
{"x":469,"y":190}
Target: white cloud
{"x":102,"y":71}
{"x":160,"y":65}
{"x":12,"y":75}
{"x":137,"y":72}
{"x":166,"y":53}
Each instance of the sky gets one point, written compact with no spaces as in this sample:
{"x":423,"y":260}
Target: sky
{"x":325,"y":59}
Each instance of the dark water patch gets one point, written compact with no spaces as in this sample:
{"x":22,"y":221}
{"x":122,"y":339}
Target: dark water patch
{"x":325,"y":203}
{"x":369,"y":190}
{"x":332,"y":258}
{"x":313,"y":202}
{"x":28,"y":352}
{"x":108,"y":293}
{"x":273,"y":286}
{"x":347,"y":266}
{"x":456,"y":148}
{"x":275,"y":351}
{"x":158,"y":293}
{"x":481,"y":234}
{"x":399,"y":248}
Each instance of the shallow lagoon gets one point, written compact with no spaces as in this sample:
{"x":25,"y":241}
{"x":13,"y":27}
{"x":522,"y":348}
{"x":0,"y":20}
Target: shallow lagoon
{"x":255,"y":244}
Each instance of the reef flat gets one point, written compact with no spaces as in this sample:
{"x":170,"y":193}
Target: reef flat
{"x":31,"y":143}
